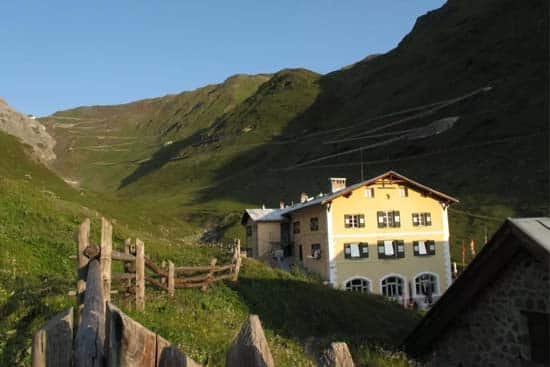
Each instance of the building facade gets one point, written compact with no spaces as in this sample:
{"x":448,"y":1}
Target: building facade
{"x":388,"y":235}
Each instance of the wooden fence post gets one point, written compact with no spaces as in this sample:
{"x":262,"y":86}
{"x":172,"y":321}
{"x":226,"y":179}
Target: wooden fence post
{"x":237,"y":260}
{"x":90,"y":337}
{"x":210,"y":275}
{"x":140,"y":275}
{"x":83,"y":243}
{"x":171,"y":273}
{"x":105,"y":257}
{"x":53,"y":342}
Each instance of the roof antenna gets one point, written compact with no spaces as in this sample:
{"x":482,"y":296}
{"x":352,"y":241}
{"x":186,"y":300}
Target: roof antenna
{"x":362,"y":172}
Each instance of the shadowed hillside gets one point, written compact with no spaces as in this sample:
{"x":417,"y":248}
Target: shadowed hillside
{"x":461,"y":104}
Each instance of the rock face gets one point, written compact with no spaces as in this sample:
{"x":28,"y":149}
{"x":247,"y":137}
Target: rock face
{"x":28,"y":130}
{"x":250,"y":348}
{"x":337,"y":355}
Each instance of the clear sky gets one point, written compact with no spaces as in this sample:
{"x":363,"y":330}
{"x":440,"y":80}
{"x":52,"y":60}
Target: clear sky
{"x":61,"y":54}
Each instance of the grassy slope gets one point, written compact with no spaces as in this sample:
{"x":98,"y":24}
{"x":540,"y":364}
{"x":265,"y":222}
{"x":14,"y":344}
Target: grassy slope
{"x":39,"y":214}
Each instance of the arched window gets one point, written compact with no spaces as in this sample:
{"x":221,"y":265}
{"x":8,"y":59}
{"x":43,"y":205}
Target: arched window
{"x":361,"y":285}
{"x":392,"y":286}
{"x":426,"y":284}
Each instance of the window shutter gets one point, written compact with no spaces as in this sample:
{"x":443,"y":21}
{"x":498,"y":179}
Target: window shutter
{"x":361,"y":221}
{"x":400,"y":247}
{"x":430,"y":247}
{"x":364,"y":249}
{"x":381,"y":219}
{"x":428,"y":219}
{"x":415,"y":219}
{"x":381,"y":250}
{"x":372,"y":192}
{"x":415,"y":248}
{"x":396,"y":219}
{"x":347,"y":251}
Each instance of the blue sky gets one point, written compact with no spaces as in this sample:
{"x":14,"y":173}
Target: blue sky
{"x":62,"y":54}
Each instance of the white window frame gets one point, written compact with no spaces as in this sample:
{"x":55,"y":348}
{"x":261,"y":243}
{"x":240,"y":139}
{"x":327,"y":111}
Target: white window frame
{"x":344,"y":283}
{"x":354,"y":221}
{"x":403,"y":192}
{"x":404,"y":290}
{"x":437,"y":291}
{"x":369,"y":192}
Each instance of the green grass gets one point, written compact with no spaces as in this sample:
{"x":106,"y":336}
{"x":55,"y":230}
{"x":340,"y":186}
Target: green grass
{"x":39,"y":216}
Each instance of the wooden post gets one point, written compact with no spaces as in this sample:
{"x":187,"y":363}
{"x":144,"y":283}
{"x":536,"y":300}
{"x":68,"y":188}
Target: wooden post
{"x":90,"y":337}
{"x":237,"y":260}
{"x":250,"y":347}
{"x":140,"y":275}
{"x":105,"y":257}
{"x":83,"y":242}
{"x":171,"y":273}
{"x":210,"y":276}
{"x":127,"y":267}
{"x":52,"y":343}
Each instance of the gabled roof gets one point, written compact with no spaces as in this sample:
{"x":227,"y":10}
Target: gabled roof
{"x":273,"y":215}
{"x":395,"y":177}
{"x":530,"y":234}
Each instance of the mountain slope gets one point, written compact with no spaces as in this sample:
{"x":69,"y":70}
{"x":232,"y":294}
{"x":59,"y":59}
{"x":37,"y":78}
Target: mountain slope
{"x":39,"y":216}
{"x":461,"y":104}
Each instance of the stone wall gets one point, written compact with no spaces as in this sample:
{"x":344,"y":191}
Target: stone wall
{"x":492,"y":331}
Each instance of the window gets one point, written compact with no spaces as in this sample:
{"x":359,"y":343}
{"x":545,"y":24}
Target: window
{"x":426,"y":284}
{"x":369,"y":192}
{"x":423,"y":248}
{"x":389,"y":219}
{"x":314,"y":224}
{"x":392,"y":286}
{"x":539,"y":338}
{"x":360,"y":285}
{"x":422,"y":219}
{"x":403,"y":191}
{"x":354,"y":221}
{"x":356,"y":250}
{"x":296,"y":227}
{"x":249,"y":231}
{"x":391,"y":249}
{"x":316,"y":251}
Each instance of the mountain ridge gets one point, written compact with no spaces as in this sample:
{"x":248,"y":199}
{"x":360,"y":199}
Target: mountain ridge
{"x":255,"y":150}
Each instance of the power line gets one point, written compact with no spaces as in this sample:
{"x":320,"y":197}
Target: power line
{"x":412,"y":157}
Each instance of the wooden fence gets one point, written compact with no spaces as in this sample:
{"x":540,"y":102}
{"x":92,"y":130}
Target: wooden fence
{"x":100,"y":335}
{"x":140,"y":269}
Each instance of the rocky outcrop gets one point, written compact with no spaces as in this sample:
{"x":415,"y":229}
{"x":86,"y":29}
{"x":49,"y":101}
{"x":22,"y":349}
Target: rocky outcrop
{"x":30,"y":131}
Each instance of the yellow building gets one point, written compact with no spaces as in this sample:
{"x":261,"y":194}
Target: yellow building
{"x":387,"y":235}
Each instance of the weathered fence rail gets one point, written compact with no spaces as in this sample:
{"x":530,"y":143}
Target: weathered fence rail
{"x":106,"y":337}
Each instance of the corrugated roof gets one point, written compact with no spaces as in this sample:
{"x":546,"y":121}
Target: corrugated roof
{"x":537,"y":229}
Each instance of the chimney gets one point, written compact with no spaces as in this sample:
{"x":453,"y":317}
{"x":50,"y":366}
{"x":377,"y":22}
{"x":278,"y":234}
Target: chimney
{"x":281,"y":204}
{"x":337,"y":183}
{"x":303,"y":197}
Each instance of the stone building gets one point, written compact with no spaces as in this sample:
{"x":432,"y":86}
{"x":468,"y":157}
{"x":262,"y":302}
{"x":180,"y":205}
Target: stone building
{"x":497,"y":312}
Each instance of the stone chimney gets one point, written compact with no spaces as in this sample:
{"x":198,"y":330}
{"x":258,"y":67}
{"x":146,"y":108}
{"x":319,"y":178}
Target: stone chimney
{"x":281,"y":204}
{"x":337,"y":183}
{"x":303,"y":197}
